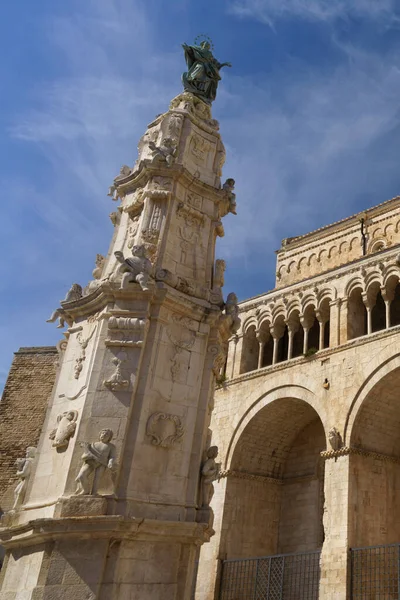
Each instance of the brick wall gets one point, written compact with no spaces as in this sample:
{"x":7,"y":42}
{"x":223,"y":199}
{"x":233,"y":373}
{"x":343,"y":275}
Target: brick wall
{"x":22,"y":409}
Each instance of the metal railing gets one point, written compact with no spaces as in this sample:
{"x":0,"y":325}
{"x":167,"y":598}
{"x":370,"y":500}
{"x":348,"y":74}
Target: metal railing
{"x":375,"y":572}
{"x":279,"y":577}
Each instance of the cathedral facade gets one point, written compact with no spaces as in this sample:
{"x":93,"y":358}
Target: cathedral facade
{"x":307,"y":421}
{"x":186,"y":446}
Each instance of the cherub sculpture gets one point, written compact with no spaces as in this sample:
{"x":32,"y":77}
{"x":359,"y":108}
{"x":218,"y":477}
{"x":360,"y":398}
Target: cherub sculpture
{"x":232,"y":311}
{"x":166,"y":152}
{"x":66,"y":425}
{"x":209,"y":473}
{"x":96,"y":458}
{"x":24,"y":466}
{"x":229,"y":186}
{"x":74,"y":293}
{"x":137,"y":268}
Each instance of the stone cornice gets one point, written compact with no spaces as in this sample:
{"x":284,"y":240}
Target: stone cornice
{"x":117,"y":527}
{"x":343,"y":223}
{"x":346,"y":451}
{"x":321,"y":278}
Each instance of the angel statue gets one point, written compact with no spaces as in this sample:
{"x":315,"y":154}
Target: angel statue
{"x":202,"y":76}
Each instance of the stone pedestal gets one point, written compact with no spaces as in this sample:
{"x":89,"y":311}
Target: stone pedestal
{"x":128,"y":419}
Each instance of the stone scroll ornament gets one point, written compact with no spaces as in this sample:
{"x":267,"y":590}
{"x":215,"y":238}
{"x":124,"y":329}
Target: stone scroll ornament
{"x":160,"y":436}
{"x":202,"y":77}
{"x":24,"y":468}
{"x":97,"y":457}
{"x":66,"y":425}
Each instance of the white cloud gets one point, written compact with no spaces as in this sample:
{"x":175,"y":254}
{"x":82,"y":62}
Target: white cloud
{"x":301,"y":145}
{"x":268,"y":11}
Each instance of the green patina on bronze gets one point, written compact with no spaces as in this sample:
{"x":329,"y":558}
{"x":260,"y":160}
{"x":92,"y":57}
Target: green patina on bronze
{"x":202,"y":76}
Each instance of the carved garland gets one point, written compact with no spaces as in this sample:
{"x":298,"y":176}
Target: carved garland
{"x":346,"y":451}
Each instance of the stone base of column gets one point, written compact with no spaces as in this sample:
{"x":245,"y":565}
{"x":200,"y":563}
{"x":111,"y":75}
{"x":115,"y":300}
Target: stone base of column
{"x":334,"y":581}
{"x":100,"y":558}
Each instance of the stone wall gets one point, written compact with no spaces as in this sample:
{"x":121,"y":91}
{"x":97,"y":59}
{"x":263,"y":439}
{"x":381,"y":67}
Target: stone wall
{"x":338,"y":244}
{"x":22,"y":410}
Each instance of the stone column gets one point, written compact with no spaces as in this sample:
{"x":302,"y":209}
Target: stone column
{"x":343,"y":307}
{"x":231,"y":359}
{"x":334,"y":557}
{"x":369,"y":304}
{"x":262,"y":338}
{"x":387,"y":297}
{"x":238,"y":344}
{"x":117,"y":507}
{"x":276,"y":347}
{"x":334,"y":322}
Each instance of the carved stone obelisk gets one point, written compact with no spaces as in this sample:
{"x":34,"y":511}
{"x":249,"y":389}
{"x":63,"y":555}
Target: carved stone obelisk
{"x":113,"y":507}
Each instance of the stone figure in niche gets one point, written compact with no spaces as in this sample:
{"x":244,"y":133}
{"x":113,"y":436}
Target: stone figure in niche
{"x":335,"y":439}
{"x":137,"y":268}
{"x":202,"y":76}
{"x":232,"y":311}
{"x":229,"y":186}
{"x":66,"y":425}
{"x":24,"y":468}
{"x":73,"y":294}
{"x":209,"y":473}
{"x":166,"y":152}
{"x":96,"y":459}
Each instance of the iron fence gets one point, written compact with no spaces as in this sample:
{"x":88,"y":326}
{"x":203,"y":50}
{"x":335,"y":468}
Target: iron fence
{"x":278,"y":577}
{"x":375,"y":572}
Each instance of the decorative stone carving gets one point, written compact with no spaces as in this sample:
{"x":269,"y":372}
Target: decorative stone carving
{"x":165,"y":152}
{"x":157,"y":429}
{"x":335,"y":439}
{"x":209,"y":473}
{"x":73,"y":294}
{"x":100,"y":260}
{"x":114,"y":217}
{"x":132,"y":230}
{"x":125,"y":331}
{"x":124,"y":172}
{"x":219,"y":271}
{"x":183,"y":338}
{"x":219,"y":356}
{"x":174,"y":127}
{"x":83,"y":342}
{"x":135,"y":269}
{"x":229,"y":186}
{"x":199,"y":149}
{"x":96,"y":459}
{"x":116,"y":381}
{"x":66,"y":425}
{"x":24,"y":468}
{"x":232,"y":311}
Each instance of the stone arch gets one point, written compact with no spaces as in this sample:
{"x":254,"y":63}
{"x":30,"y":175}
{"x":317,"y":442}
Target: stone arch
{"x":373,"y":434}
{"x":275,"y":475}
{"x":284,"y":391}
{"x":386,"y":367}
{"x":249,"y":322}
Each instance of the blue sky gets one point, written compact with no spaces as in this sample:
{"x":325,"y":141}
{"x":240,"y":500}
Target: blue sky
{"x":309,"y":116}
